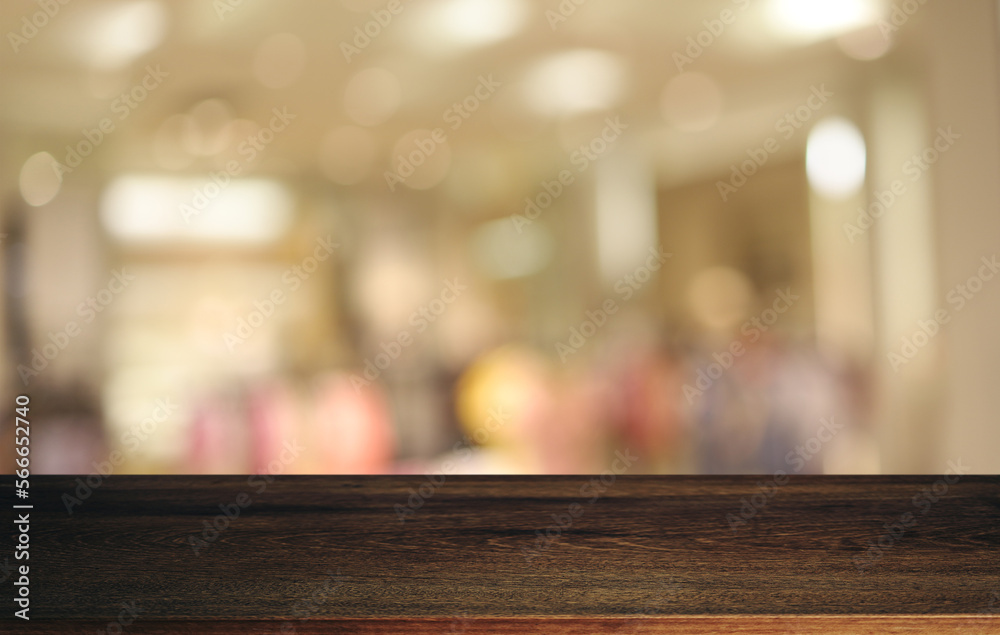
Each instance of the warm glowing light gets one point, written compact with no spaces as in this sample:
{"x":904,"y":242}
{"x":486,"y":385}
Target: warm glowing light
{"x":512,"y":378}
{"x":836,"y":158}
{"x":575,"y":81}
{"x":157,"y":209}
{"x":820,"y":18}
{"x":116,"y":34}
{"x":868,"y":43}
{"x":389,"y":280}
{"x":453,"y":25}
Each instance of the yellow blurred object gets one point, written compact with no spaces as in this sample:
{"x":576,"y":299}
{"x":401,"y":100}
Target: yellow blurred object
{"x":502,"y":395}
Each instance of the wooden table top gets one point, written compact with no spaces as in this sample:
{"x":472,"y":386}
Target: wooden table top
{"x":677,"y":554}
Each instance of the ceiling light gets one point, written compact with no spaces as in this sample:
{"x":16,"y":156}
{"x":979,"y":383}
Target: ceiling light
{"x":115,"y":35}
{"x":216,"y":209}
{"x":454,"y":25}
{"x":836,"y":158}
{"x":575,"y":81}
{"x":813,"y":19}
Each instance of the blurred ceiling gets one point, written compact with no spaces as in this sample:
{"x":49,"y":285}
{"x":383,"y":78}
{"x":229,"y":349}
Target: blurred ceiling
{"x":435,"y":52}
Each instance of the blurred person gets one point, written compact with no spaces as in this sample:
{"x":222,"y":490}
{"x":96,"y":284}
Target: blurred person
{"x":805,"y":398}
{"x":274,"y":413}
{"x":855,"y":449}
{"x":352,"y":426}
{"x":645,"y":401}
{"x":754,"y":398}
{"x":575,"y":440}
{"x":767,"y":411}
{"x":217,"y":439}
{"x":728,"y":422}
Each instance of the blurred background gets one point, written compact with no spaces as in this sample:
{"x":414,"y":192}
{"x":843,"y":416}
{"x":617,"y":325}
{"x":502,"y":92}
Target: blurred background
{"x":501,"y":236}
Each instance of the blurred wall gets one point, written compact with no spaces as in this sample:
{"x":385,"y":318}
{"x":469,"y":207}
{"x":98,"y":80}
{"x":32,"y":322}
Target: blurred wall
{"x":966,"y":95}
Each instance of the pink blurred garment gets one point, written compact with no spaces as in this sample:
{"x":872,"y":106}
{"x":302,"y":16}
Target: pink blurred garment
{"x":353,"y":427}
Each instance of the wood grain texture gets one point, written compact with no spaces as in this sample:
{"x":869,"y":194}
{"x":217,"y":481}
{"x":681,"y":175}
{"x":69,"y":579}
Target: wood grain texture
{"x":673,"y":625}
{"x":645,"y":553}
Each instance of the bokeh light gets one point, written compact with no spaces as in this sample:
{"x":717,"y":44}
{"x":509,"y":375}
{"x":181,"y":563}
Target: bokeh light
{"x":836,"y":158}
{"x":40,"y":180}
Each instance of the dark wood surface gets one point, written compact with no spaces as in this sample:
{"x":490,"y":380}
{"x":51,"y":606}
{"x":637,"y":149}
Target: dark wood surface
{"x":650,"y":554}
{"x":672,"y":625}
